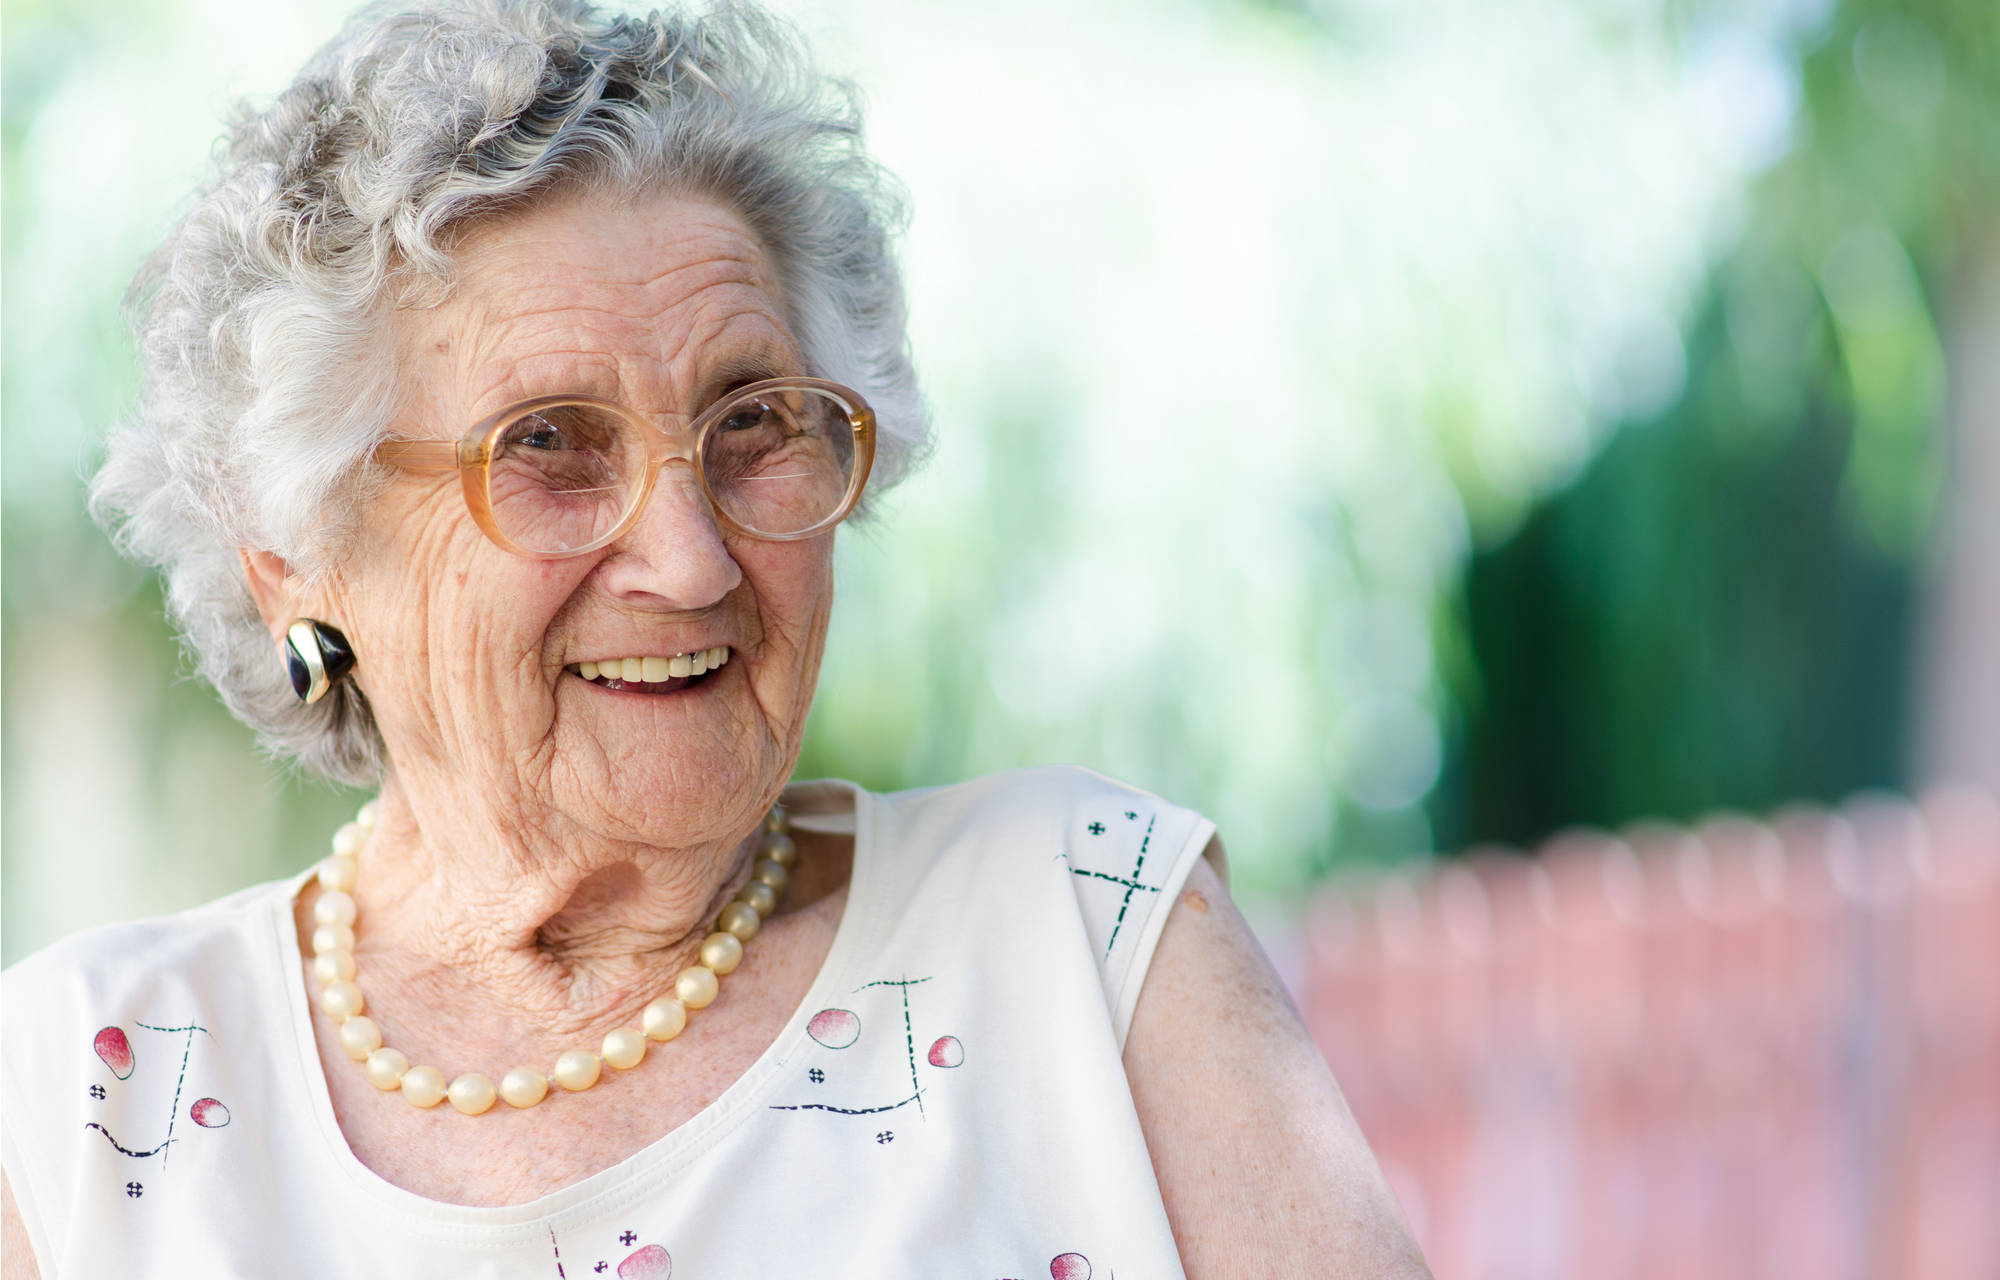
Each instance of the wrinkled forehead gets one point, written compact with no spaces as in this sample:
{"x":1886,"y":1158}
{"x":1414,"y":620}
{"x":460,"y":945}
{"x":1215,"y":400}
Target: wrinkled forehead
{"x":659,"y":303}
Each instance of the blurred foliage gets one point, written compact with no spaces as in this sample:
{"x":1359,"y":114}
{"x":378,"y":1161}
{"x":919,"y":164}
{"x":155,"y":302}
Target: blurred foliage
{"x":1718,"y":614}
{"x":1243,"y":322}
{"x":1222,"y":407}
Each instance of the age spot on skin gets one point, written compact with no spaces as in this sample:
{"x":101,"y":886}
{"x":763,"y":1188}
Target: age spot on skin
{"x":1195,"y":900}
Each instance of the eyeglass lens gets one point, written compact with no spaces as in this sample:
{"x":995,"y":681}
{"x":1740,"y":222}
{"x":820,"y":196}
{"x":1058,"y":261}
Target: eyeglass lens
{"x":777,"y":462}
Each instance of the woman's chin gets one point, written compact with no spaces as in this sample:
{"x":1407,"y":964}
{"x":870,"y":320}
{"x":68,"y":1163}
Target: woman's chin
{"x":646,"y":751}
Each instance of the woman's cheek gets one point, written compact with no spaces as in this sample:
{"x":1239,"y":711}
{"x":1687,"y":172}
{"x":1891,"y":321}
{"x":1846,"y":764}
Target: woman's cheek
{"x":794,"y":589}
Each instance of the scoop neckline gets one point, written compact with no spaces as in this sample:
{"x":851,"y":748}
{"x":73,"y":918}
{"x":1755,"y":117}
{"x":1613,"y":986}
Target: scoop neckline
{"x":601,"y":1192}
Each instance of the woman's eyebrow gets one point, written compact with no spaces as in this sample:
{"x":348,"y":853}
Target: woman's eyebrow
{"x":737,"y":370}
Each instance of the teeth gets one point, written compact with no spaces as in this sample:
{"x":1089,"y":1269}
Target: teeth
{"x":655,"y":670}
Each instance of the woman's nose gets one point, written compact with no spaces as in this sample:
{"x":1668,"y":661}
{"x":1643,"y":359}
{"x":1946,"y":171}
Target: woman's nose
{"x":674,"y":553}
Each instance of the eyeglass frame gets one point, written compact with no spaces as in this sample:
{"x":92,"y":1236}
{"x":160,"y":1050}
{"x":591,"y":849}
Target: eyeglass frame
{"x":471,"y":456}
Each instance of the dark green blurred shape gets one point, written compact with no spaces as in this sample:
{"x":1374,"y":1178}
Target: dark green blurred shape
{"x":1693,"y":626}
{"x":1718,"y":614}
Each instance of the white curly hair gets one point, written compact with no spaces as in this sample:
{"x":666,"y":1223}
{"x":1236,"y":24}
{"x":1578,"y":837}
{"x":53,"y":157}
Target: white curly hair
{"x":269,"y":374}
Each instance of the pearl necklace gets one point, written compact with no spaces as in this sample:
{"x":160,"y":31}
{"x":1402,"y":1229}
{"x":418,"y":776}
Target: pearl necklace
{"x":695,"y":987}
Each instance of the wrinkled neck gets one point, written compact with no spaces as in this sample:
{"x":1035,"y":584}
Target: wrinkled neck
{"x":543,"y":917}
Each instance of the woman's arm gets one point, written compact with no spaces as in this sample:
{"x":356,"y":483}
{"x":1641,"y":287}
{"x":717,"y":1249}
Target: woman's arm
{"x":17,"y":1256}
{"x":1261,"y":1165}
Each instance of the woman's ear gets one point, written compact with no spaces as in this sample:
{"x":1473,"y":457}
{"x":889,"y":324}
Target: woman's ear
{"x":269,"y":577}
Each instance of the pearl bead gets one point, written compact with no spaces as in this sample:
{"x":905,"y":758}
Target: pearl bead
{"x":524,"y":1087}
{"x":741,"y":919}
{"x":577,"y":1070}
{"x":369,"y":812}
{"x":778,"y":847}
{"x":624,"y":1048}
{"x":472,"y":1093}
{"x":759,"y":895}
{"x":348,"y":840}
{"x":386,"y":1068}
{"x":359,"y":1037}
{"x":334,"y":907}
{"x":721,"y":953}
{"x":333,"y":937}
{"x":423,"y":1086}
{"x":337,"y":873}
{"x":665,"y":1018}
{"x":341,"y":999}
{"x":769,"y":873}
{"x":777,"y":819}
{"x":696,"y":987}
{"x":333,"y":966}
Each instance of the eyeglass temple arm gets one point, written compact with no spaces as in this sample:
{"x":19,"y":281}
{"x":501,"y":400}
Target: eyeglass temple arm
{"x":419,"y":455}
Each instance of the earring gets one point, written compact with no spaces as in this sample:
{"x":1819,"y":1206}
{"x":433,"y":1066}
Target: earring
{"x":317,"y":657}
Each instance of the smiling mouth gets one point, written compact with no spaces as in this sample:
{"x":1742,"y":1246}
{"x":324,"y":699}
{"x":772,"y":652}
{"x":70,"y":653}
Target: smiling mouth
{"x":653,"y":675}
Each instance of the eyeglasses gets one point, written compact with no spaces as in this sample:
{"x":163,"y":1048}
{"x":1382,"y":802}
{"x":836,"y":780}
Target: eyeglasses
{"x":560,"y":476}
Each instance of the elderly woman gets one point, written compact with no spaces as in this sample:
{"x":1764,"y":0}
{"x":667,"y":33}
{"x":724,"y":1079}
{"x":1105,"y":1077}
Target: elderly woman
{"x":503,"y":392}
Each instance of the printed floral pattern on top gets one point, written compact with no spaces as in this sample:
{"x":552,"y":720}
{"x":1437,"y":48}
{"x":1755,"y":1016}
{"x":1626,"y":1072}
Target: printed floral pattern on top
{"x":863,"y":1091}
{"x":1107,"y":860}
{"x":113,"y":1048}
{"x":1067,"y":1266}
{"x":647,"y":1262}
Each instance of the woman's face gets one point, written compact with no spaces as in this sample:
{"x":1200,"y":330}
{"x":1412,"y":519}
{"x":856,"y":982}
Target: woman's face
{"x":467,"y":653}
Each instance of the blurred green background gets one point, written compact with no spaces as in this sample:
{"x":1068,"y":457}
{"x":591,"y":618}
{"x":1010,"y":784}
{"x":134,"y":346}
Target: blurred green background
{"x":1388,"y":425}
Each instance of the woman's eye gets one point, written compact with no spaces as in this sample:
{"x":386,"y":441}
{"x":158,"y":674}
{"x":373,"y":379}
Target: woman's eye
{"x":538,"y":433}
{"x":746,"y":418}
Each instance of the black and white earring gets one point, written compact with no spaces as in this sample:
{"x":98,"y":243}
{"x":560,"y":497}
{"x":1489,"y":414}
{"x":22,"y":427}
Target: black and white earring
{"x":317,"y":657}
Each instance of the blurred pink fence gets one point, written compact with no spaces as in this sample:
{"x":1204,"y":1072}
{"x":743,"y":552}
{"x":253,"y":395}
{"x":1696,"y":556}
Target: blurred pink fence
{"x":1745,"y":1050}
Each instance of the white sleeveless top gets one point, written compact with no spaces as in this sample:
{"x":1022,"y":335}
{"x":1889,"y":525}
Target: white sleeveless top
{"x":947,"y":1101}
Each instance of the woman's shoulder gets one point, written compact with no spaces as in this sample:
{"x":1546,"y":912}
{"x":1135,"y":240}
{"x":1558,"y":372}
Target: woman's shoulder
{"x":1036,"y":853}
{"x":1032,"y":799}
{"x":113,"y":966}
{"x":116,"y":1033}
{"x":1061,"y":804}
